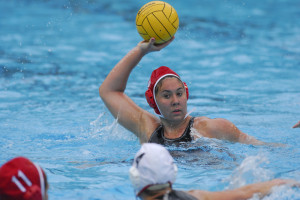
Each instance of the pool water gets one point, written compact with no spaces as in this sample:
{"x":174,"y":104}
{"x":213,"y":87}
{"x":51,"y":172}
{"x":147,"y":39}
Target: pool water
{"x":240,"y":59}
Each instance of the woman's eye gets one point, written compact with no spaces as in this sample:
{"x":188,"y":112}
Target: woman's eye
{"x":179,"y":94}
{"x":166,"y":96}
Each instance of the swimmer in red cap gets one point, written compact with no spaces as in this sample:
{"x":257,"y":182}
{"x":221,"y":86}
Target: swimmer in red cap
{"x":21,"y":179}
{"x":167,"y":94}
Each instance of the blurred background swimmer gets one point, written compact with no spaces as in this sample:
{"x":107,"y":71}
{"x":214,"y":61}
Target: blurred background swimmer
{"x":153,"y":172}
{"x":21,"y":179}
{"x":167,"y":94}
{"x":297,"y":125}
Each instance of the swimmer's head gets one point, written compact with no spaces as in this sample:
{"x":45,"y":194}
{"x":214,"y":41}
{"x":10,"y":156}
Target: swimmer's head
{"x":156,"y":77}
{"x":23,"y":180}
{"x":153,"y":168}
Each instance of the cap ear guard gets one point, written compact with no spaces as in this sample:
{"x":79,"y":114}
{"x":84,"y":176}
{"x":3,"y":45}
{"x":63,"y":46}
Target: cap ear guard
{"x":34,"y":193}
{"x":134,"y":175}
{"x":149,"y":98}
{"x":151,"y":101}
{"x":186,"y":90}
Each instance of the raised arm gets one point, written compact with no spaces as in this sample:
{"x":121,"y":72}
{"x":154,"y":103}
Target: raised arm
{"x":112,"y":90}
{"x":261,"y":189}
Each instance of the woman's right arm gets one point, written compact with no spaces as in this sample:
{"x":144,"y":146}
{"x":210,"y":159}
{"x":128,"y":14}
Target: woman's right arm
{"x":261,"y":189}
{"x":112,"y":90}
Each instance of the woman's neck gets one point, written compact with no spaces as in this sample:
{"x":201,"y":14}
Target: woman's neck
{"x":174,"y":130}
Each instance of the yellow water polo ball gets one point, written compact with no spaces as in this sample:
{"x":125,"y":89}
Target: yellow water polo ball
{"x":157,"y":19}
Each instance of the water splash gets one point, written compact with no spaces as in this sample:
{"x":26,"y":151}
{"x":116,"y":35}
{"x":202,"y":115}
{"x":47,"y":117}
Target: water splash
{"x":283,"y":192}
{"x":103,"y":127}
{"x":195,"y":134}
{"x":250,"y":171}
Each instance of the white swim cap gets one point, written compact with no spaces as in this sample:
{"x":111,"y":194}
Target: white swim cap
{"x":152,"y":165}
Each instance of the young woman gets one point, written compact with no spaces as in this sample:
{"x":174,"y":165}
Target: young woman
{"x":168,"y":95}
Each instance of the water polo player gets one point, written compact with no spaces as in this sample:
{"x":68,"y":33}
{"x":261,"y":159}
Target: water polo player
{"x":21,"y":179}
{"x":153,"y":173}
{"x":167,"y":94}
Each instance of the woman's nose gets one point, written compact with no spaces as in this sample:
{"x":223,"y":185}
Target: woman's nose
{"x":175,"y":100}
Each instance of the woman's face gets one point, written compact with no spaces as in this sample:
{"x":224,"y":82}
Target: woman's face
{"x":171,"y":99}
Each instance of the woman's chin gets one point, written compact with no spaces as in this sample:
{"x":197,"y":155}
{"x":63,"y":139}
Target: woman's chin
{"x":176,"y":117}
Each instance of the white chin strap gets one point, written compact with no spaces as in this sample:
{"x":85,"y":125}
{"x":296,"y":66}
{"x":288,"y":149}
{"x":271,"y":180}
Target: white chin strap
{"x":187,"y":114}
{"x":42,"y":181}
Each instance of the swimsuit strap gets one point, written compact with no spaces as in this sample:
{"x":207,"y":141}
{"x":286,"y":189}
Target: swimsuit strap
{"x":158,"y":135}
{"x":186,"y":132}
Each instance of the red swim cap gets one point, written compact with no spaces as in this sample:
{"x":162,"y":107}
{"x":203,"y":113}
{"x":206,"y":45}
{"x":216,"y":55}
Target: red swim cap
{"x":156,"y":76}
{"x":20,"y":179}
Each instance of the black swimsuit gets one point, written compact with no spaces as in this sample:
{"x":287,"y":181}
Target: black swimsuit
{"x":159,"y":138}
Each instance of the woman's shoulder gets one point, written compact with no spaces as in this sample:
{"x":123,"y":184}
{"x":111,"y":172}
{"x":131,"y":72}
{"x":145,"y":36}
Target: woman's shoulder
{"x":201,"y":119}
{"x":202,"y":124}
{"x":212,"y":123}
{"x":149,"y":124}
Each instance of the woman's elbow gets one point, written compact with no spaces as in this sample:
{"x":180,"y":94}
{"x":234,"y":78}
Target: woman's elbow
{"x":101,"y":91}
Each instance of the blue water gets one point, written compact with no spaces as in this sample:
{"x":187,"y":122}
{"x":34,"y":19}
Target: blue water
{"x":240,"y":59}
